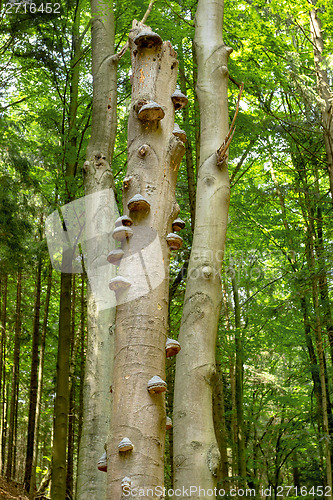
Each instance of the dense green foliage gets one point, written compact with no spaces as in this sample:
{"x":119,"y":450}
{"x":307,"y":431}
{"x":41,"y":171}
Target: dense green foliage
{"x":279,"y":245}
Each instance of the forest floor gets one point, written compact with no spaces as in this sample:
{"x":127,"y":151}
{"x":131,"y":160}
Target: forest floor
{"x":11,"y":491}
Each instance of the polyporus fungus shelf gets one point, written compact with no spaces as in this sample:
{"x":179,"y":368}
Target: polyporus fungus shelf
{"x":151,"y":112}
{"x":122,"y":233}
{"x":119,"y":283}
{"x":138,"y":203}
{"x":179,"y":100}
{"x":125,"y":445}
{"x":156,"y":385}
{"x":115,"y":256}
{"x":172,"y":347}
{"x":178,"y":225}
{"x":147,"y":39}
{"x":174,"y":241}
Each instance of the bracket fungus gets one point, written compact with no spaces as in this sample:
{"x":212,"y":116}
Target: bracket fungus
{"x":126,"y":182}
{"x":172,"y":347}
{"x":178,"y":132}
{"x":178,"y":225}
{"x":151,"y":112}
{"x":102,"y":463}
{"x":121,"y":233}
{"x":126,"y":483}
{"x":119,"y":283}
{"x":125,"y":445}
{"x":174,"y":241}
{"x":179,"y":100}
{"x":147,"y":40}
{"x":156,"y":385}
{"x":138,"y":203}
{"x":123,"y":220}
{"x":115,"y":256}
{"x":168,"y":423}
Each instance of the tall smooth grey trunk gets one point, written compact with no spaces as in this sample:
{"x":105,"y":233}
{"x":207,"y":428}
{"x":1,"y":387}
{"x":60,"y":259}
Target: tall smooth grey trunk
{"x":100,"y":214}
{"x":196,"y":453}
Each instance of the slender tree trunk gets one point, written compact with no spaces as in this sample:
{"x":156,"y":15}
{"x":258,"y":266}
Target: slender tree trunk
{"x":61,"y":407}
{"x":321,"y":354}
{"x":4,"y":290}
{"x":3,"y":366}
{"x":98,"y":178}
{"x":220,"y":424}
{"x":239,"y":385}
{"x":71,"y":413}
{"x":33,"y":382}
{"x":15,"y":378}
{"x":40,"y":376}
{"x":154,"y":154}
{"x":82,"y":361}
{"x":196,"y":454}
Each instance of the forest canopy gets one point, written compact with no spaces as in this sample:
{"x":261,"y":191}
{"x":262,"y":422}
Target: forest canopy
{"x":272,"y":390}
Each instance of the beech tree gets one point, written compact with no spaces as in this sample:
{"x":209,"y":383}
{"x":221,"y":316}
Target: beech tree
{"x":99,"y":183}
{"x":196,"y":453}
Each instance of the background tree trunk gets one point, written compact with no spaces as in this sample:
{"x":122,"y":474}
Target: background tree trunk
{"x":98,"y":176}
{"x":196,"y":454}
{"x":33,"y":382}
{"x":15,"y":378}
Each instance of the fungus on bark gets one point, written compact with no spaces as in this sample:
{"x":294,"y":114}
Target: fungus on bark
{"x":172,"y":347}
{"x":115,"y":256}
{"x":102,"y":464}
{"x":179,"y":100}
{"x":119,"y":283}
{"x":156,"y":385}
{"x":174,"y":241}
{"x":126,"y":483}
{"x":178,"y":132}
{"x":138,"y":203}
{"x":147,"y":40}
{"x":168,"y":423}
{"x":151,"y":112}
{"x":124,"y":220}
{"x":178,"y":225}
{"x":125,"y":445}
{"x":126,"y":182}
{"x":122,"y":233}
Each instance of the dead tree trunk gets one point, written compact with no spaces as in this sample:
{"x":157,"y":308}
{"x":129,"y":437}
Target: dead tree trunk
{"x":138,"y":410}
{"x":196,"y":454}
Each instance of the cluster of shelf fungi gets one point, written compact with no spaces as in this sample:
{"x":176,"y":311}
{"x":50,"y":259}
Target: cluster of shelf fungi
{"x":146,"y":112}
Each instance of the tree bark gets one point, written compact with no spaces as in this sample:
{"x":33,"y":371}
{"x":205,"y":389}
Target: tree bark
{"x":40,"y":376}
{"x":15,"y":378}
{"x":98,"y":177}
{"x":3,"y":368}
{"x":33,"y":382}
{"x":154,"y":154}
{"x":197,"y":458}
{"x":61,"y":405}
{"x":241,"y":460}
